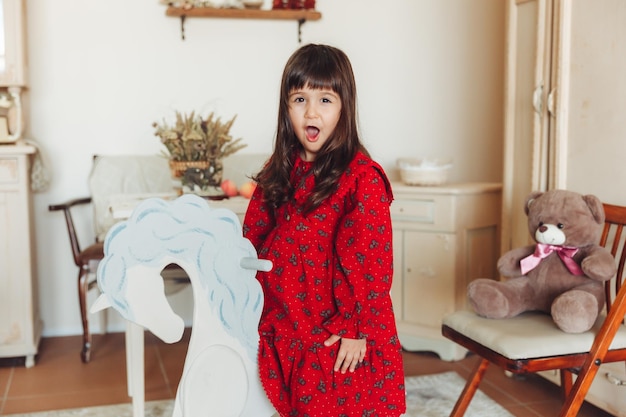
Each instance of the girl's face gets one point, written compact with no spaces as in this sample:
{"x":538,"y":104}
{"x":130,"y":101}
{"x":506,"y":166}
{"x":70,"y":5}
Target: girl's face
{"x":314,"y":115}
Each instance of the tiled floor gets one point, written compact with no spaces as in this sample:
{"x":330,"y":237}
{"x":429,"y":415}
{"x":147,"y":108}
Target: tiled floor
{"x":60,"y":380}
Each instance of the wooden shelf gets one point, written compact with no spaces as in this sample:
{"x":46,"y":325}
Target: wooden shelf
{"x":244,"y":13}
{"x":300,"y":15}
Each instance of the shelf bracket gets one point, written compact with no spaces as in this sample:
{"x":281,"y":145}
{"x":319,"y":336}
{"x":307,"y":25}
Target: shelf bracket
{"x":182,"y":26}
{"x":300,"y":23}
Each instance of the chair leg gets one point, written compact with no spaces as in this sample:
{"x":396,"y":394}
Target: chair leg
{"x":567,"y":381}
{"x":83,"y":287}
{"x":470,"y":389}
{"x":578,"y":392}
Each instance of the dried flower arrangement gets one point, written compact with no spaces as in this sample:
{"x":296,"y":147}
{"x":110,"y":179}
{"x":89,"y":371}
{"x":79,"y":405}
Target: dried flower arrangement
{"x":193,"y":138}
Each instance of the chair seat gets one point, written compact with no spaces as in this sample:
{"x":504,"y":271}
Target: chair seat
{"x":516,"y":338}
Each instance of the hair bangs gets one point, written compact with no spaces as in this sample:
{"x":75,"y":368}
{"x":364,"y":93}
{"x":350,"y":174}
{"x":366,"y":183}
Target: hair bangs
{"x":323,"y":81}
{"x":317,"y":77}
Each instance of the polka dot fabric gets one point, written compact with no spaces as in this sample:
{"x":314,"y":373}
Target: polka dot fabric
{"x":332,"y":275}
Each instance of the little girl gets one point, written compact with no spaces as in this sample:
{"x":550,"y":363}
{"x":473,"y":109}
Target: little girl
{"x":320,"y":213}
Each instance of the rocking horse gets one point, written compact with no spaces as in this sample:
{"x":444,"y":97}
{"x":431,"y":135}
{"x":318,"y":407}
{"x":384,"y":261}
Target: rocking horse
{"x":220,"y":374}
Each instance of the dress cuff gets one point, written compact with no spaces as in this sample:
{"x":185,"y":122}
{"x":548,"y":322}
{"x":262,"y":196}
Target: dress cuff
{"x":342,"y":326}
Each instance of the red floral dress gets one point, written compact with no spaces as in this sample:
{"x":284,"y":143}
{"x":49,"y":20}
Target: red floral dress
{"x":332,"y":275}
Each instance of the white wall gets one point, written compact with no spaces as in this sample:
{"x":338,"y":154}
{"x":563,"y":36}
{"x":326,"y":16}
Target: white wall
{"x":429,"y":74}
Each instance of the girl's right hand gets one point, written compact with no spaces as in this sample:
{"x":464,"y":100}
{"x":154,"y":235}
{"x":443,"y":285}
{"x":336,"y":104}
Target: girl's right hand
{"x":351,"y":352}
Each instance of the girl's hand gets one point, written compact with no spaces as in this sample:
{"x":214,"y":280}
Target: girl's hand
{"x":351,"y":352}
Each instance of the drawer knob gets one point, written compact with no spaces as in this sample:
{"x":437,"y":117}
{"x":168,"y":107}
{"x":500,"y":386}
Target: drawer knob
{"x":614,"y":380}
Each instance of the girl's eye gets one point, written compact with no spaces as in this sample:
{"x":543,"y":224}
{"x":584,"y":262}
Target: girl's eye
{"x":326,"y":100}
{"x":298,"y":100}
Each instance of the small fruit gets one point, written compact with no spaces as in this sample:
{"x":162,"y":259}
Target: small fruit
{"x":229,"y":187}
{"x":247,"y":189}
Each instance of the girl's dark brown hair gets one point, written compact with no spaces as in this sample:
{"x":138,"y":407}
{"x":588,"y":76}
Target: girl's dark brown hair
{"x":317,"y":67}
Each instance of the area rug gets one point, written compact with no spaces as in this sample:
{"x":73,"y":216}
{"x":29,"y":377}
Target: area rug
{"x":427,"y":396}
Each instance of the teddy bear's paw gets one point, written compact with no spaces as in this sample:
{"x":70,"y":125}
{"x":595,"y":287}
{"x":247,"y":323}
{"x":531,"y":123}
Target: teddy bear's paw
{"x":487,"y":300}
{"x":600,"y":267}
{"x":575,"y":311}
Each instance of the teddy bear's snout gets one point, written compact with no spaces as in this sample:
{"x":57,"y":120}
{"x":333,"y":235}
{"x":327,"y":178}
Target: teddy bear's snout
{"x":549,"y":234}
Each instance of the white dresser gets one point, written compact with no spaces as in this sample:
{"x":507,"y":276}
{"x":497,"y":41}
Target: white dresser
{"x":20,"y":326}
{"x":444,"y":237}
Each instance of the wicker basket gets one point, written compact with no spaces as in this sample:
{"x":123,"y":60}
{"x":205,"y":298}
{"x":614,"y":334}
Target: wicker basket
{"x":178,"y":168}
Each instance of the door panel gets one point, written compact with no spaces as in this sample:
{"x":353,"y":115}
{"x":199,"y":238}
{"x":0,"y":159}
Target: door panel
{"x":526,"y":124}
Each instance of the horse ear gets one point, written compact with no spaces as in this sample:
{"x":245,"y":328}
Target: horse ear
{"x":101,"y":303}
{"x":256,"y":264}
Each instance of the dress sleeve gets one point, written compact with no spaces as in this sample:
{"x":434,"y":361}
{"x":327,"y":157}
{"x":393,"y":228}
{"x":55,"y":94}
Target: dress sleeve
{"x":363,"y":266}
{"x":258,"y":221}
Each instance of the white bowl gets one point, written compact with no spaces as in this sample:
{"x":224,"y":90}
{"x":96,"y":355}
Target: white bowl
{"x":415,"y":171}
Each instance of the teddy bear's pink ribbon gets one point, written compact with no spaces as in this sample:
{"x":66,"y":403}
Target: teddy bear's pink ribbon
{"x":542,"y":250}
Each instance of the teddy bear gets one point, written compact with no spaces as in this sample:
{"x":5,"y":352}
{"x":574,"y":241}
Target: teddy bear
{"x":562,"y":274}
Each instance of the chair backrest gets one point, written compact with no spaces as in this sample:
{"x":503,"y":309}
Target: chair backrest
{"x":239,"y":167}
{"x":113,"y":176}
{"x":614,"y":239}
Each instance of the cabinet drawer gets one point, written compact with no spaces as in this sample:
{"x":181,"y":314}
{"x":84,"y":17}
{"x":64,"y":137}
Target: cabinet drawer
{"x":8,"y":171}
{"x":436,"y":213}
{"x":422,"y":211}
{"x":606,"y":391}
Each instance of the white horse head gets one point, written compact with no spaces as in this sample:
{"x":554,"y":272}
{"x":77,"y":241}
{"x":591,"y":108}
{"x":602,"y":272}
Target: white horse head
{"x":208,"y":244}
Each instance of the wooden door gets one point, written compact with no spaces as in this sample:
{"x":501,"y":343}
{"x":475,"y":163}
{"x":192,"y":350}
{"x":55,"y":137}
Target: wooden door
{"x":528,"y":85}
{"x":589,"y":129}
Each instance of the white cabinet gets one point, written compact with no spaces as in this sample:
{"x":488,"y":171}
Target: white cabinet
{"x":444,"y":237}
{"x":20,"y":326}
{"x":564,"y":124}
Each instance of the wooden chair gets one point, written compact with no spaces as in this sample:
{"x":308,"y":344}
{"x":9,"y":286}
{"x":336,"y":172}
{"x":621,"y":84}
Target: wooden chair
{"x":531,"y":342}
{"x":111,"y":177}
{"x":86,"y":260}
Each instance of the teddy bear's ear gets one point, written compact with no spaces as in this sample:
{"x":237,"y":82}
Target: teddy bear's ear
{"x":529,"y":200}
{"x":595,"y":206}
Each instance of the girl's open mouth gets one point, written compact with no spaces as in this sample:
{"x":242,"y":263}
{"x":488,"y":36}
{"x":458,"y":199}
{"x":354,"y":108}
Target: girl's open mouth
{"x":312,"y":132}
